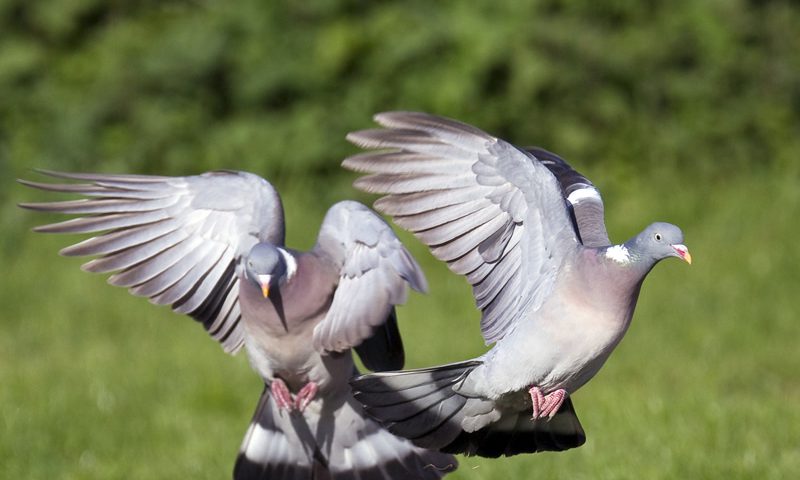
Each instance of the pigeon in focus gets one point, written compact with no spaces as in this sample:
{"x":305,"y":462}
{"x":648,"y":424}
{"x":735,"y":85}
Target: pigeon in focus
{"x":212,"y":247}
{"x":556,"y":296}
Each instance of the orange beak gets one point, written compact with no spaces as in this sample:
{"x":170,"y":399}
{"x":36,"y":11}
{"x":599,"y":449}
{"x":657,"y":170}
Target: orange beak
{"x":263,"y":282}
{"x":683,"y":252}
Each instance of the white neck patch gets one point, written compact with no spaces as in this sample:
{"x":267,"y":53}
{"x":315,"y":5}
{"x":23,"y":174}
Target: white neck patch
{"x":618,"y":253}
{"x":291,"y":263}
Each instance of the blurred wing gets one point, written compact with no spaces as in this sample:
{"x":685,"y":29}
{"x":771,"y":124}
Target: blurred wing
{"x":174,"y":240}
{"x":491,"y":211}
{"x":374,"y":270}
{"x":583,"y":198}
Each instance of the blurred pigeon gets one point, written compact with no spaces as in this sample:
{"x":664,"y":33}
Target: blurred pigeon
{"x":556,"y":298}
{"x":212,"y":247}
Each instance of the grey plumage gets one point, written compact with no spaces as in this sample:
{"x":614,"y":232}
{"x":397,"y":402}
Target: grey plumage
{"x":527,"y":232}
{"x":302,"y":447}
{"x":212,"y":247}
{"x":427,"y":406}
{"x":583,"y":198}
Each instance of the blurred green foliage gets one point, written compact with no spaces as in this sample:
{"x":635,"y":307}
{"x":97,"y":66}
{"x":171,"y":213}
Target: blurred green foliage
{"x":686,"y":111}
{"x":180,"y":86}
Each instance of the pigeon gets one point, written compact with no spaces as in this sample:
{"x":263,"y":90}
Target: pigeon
{"x":212,"y":247}
{"x":556,"y":297}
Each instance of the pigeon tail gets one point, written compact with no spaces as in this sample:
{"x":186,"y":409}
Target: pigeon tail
{"x":428,"y":407}
{"x":271,"y":450}
{"x":517,"y":432}
{"x":330,"y":440}
{"x":421,"y":405}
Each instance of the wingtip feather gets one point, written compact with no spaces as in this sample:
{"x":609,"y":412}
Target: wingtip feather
{"x":389,"y":118}
{"x":42,"y":229}
{"x":358,"y":139}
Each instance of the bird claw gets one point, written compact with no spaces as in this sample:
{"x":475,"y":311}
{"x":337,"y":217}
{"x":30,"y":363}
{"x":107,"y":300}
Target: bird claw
{"x":546,"y":406}
{"x":286,"y":401}
{"x":305,"y":396}
{"x":281,"y":394}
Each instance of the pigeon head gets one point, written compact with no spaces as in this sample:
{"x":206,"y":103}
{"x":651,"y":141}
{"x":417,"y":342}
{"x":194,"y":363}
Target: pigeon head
{"x":659,"y":241}
{"x":267,"y":267}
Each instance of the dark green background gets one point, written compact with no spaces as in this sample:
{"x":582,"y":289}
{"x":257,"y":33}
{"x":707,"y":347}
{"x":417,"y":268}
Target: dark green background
{"x":680,"y":111}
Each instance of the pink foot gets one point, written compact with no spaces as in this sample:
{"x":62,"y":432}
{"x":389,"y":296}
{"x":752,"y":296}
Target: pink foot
{"x":537,"y":399}
{"x":281,"y":394}
{"x":305,"y":395}
{"x":552,"y":402}
{"x":546,"y":405}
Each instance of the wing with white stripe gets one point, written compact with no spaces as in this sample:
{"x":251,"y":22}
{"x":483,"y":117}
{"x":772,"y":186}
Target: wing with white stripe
{"x":583,"y":198}
{"x":491,"y":211}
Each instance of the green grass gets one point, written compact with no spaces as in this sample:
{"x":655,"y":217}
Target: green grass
{"x":97,"y":384}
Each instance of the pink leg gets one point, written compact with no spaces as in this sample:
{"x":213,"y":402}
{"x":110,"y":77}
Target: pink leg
{"x":552,"y":402}
{"x":537,"y":399}
{"x":281,"y":394}
{"x":305,"y":395}
{"x":546,"y":405}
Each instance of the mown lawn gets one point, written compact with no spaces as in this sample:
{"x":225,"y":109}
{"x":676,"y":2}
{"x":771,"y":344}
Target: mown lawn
{"x":97,"y":384}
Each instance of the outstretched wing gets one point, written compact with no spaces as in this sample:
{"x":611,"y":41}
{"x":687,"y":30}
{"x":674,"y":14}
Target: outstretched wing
{"x":374,"y":271}
{"x":583,"y":198}
{"x":174,"y":240}
{"x":493,"y":212}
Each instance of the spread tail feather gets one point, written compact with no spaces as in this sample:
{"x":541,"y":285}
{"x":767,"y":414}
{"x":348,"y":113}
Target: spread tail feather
{"x":516,"y":433}
{"x":277,"y":445}
{"x":335,"y":441}
{"x":428,"y":407}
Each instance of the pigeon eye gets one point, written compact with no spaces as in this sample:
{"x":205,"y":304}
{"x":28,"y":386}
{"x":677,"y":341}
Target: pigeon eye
{"x":658,"y":237}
